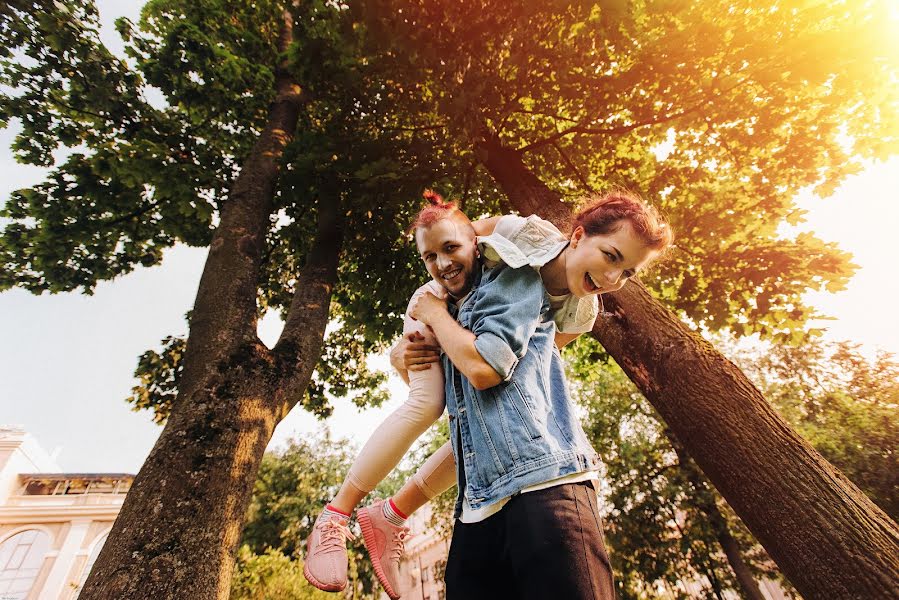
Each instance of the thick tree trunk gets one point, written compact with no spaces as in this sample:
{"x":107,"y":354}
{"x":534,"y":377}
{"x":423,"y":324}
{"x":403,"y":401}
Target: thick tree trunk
{"x":826,"y":536}
{"x":178,"y":530}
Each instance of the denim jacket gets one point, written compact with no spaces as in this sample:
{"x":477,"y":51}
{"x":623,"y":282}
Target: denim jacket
{"x":523,"y":431}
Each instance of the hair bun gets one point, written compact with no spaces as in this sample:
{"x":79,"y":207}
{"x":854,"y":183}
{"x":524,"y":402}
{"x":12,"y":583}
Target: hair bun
{"x":433,"y":197}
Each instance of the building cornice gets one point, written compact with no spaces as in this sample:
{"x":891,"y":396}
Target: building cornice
{"x":17,"y":515}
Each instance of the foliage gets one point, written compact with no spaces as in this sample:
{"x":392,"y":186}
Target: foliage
{"x":291,"y":489}
{"x":157,"y":374}
{"x":719,"y":111}
{"x":342,"y":371}
{"x":271,"y":576}
{"x":657,"y":535}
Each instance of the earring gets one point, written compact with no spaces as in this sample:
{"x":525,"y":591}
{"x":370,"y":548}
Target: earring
{"x":602,"y":309}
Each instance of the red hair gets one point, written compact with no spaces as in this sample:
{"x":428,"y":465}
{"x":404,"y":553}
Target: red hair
{"x":435,"y":210}
{"x":605,"y":213}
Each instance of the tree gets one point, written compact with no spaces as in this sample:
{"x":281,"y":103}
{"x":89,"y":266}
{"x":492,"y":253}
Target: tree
{"x":845,"y":404}
{"x":293,"y":140}
{"x":153,"y":176}
{"x":665,"y":522}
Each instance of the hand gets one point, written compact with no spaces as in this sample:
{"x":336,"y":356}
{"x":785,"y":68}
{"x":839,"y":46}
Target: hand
{"x":428,"y":308}
{"x":413,"y":353}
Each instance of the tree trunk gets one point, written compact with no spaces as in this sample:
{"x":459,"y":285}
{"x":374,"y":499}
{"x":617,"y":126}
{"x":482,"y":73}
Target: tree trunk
{"x":749,"y":587}
{"x":826,"y":536}
{"x":178,"y":530}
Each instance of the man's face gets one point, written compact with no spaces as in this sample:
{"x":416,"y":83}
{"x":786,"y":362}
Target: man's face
{"x":450,"y":254}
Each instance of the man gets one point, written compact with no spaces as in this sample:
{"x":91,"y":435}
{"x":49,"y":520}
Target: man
{"x":527,"y":521}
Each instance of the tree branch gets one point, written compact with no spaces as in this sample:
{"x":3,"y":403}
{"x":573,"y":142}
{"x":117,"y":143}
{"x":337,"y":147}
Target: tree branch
{"x":137,"y":213}
{"x":606,"y":131}
{"x":301,"y":340}
{"x":587,"y":130}
{"x":573,"y":168}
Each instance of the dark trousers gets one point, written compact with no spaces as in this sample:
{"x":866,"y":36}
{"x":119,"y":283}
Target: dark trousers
{"x":542,"y":545}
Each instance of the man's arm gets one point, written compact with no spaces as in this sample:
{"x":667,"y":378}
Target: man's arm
{"x":508,"y":312}
{"x":457,"y":342}
{"x":413,"y":353}
{"x":396,"y":359}
{"x":459,"y":345}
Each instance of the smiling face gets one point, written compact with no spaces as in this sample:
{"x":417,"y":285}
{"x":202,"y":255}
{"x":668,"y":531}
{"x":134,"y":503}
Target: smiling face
{"x":603,"y":263}
{"x":450,"y":253}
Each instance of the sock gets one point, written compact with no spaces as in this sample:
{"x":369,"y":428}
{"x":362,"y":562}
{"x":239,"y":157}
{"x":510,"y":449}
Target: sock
{"x":393,"y":514}
{"x":330,"y":511}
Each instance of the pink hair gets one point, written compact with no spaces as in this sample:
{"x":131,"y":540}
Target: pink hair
{"x":436,"y":210}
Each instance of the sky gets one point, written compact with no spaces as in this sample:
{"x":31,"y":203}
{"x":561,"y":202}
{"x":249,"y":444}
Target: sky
{"x":66,"y":361}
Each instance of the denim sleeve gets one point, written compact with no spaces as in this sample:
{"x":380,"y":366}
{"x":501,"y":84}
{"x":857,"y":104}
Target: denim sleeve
{"x":506,"y":316}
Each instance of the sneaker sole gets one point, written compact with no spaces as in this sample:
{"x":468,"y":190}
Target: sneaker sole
{"x":316,"y":583}
{"x":368,"y":538}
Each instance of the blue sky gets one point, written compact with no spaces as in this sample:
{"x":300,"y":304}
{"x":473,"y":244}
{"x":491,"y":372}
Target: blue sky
{"x":66,"y":361}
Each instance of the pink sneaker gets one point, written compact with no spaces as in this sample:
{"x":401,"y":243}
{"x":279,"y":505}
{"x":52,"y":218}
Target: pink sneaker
{"x":326,"y":558}
{"x":385,"y":543}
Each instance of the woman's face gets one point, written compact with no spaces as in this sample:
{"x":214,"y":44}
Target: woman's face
{"x":602,"y":263}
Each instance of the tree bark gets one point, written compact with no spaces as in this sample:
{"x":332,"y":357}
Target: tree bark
{"x":177,"y":533}
{"x":828,"y":538}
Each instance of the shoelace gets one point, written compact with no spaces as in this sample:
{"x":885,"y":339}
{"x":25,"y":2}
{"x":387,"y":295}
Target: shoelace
{"x":335,"y":534}
{"x":400,"y":537}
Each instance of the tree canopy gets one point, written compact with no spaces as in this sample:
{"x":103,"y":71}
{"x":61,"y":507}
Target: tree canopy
{"x":695,"y":106}
{"x":718,"y":112}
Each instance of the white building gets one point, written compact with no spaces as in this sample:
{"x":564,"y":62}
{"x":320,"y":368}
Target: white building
{"x":421,"y":571}
{"x":52,"y":524}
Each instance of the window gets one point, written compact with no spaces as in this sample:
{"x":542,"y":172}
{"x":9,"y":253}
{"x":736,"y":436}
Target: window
{"x":56,"y":486}
{"x":95,"y":552}
{"x":21,"y":557}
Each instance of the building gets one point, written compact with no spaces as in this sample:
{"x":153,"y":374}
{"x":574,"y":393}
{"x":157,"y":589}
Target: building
{"x":52,"y":524}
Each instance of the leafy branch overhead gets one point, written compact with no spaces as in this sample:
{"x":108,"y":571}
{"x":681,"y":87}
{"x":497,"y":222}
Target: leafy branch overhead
{"x":342,"y":371}
{"x":589,"y":93}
